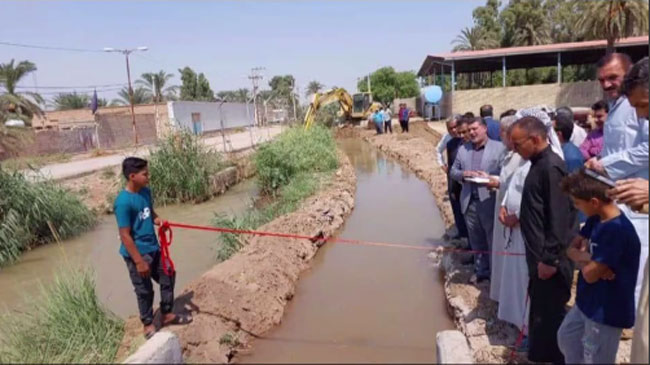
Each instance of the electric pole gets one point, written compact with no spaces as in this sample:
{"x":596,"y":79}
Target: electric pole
{"x":126,"y":53}
{"x":255,"y":77}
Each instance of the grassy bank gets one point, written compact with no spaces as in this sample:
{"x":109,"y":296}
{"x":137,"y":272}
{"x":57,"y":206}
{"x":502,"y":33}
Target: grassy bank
{"x":181,"y":169}
{"x":67,"y":325}
{"x":28,"y":210}
{"x":289,"y":169}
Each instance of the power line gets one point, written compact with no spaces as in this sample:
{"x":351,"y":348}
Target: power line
{"x":49,"y":47}
{"x":83,"y":93}
{"x":72,"y":87}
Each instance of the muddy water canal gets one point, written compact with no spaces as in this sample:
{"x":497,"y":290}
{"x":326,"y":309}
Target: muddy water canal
{"x":365,"y":303}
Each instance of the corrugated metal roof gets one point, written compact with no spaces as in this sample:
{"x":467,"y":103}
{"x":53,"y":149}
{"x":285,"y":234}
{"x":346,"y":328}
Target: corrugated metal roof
{"x":520,"y":53}
{"x":555,"y":47}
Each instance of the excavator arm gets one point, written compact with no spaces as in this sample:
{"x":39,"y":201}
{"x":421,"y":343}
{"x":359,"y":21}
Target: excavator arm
{"x":321,"y":99}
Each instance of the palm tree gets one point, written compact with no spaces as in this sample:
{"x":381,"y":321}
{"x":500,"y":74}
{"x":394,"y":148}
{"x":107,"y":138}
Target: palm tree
{"x":472,"y":39}
{"x":313,"y":87}
{"x":67,"y":101}
{"x":14,"y":105}
{"x":154,"y":83}
{"x":140,"y":96}
{"x":614,"y":19}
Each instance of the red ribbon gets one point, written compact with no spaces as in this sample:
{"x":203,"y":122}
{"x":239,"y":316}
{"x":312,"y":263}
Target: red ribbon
{"x":165,"y":242}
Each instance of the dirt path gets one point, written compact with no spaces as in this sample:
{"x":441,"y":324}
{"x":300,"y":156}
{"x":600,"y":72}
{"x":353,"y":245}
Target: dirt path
{"x":475,"y":314}
{"x":98,"y":189}
{"x":245,"y":296}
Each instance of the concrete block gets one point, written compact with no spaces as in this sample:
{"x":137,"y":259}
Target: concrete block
{"x":452,"y":348}
{"x":163,"y":348}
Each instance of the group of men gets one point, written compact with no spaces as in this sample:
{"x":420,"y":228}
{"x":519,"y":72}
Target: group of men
{"x":383,"y":119}
{"x":516,"y":185}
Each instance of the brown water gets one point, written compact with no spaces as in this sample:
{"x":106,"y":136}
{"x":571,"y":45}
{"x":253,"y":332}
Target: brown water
{"x":362,"y":303}
{"x":193,"y":253}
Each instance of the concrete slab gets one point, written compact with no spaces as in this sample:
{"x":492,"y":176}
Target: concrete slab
{"x":452,"y":348}
{"x":163,"y":348}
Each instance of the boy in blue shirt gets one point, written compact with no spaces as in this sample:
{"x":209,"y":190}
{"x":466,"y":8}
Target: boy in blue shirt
{"x":607,"y":254}
{"x":135,"y":221}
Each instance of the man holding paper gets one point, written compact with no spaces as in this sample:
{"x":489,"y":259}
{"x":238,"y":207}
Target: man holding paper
{"x":475,"y":162}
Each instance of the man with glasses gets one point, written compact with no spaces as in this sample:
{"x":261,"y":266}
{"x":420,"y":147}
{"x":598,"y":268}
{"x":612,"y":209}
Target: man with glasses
{"x":548,"y":223}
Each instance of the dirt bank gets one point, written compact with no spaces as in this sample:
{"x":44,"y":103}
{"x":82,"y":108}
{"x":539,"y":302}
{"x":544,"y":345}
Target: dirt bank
{"x":474,"y":313}
{"x":97,"y":190}
{"x":245,"y":296}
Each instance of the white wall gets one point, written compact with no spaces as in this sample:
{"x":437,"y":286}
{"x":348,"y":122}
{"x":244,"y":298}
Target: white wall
{"x":234,"y":115}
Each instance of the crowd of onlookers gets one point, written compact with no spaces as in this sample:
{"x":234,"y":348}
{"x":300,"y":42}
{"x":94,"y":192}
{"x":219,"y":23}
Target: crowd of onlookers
{"x":538,"y":195}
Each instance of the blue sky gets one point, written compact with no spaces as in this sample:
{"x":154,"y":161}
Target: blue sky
{"x":334,"y":42}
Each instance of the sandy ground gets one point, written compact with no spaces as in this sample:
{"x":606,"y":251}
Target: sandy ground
{"x":245,"y":296}
{"x":474,"y":313}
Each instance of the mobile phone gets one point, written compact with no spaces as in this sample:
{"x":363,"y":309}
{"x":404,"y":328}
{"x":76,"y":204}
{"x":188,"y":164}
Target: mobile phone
{"x":603,"y":179}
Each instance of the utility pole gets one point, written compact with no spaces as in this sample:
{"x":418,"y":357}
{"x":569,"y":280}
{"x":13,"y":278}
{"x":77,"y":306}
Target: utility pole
{"x":369,"y":90}
{"x":293,"y":100}
{"x":255,"y":77}
{"x":126,"y":53}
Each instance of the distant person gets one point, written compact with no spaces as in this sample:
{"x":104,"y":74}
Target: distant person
{"x":593,"y":144}
{"x":548,"y":223}
{"x":378,"y":119}
{"x":625,"y":140}
{"x":462,"y":129}
{"x":493,"y":131}
{"x":578,"y":134}
{"x":507,"y":113}
{"x":607,"y":254}
{"x":404,"y":118}
{"x":136,"y":219}
{"x":469,"y":115}
{"x":451,"y":125}
{"x":480,"y":158}
{"x":388,"y":120}
{"x":564,"y":127}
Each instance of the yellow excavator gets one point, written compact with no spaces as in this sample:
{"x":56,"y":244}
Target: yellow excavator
{"x":356,"y":107}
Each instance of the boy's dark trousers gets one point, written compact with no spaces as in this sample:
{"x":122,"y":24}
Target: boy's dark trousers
{"x":144,"y":288}
{"x":388,"y":127}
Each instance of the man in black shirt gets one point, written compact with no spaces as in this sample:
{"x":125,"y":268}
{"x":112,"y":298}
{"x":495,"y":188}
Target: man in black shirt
{"x":548,"y":223}
{"x":454,"y":187}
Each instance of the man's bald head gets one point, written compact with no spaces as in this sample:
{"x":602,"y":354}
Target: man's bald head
{"x":528,"y":136}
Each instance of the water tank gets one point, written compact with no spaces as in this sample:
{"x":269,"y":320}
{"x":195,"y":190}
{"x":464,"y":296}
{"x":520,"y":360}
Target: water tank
{"x":432,"y":94}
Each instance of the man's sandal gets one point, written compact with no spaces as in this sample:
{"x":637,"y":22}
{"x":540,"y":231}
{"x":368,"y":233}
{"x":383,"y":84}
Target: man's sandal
{"x":149,"y":334}
{"x":179,"y":319}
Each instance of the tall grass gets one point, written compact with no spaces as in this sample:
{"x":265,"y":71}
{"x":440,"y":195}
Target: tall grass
{"x":26,"y":207}
{"x":291,"y":168}
{"x":67,"y":325}
{"x":293,"y":152}
{"x":181,"y":169}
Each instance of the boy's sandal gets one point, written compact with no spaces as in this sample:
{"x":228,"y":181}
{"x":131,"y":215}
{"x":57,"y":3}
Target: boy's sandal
{"x":179,"y":319}
{"x":149,"y":334}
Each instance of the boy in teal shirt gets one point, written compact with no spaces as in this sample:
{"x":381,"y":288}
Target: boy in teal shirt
{"x":139,"y":248}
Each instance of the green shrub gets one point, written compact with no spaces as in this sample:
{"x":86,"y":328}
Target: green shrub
{"x":181,"y":169}
{"x":293,"y":152}
{"x":67,"y":325}
{"x":287,"y":200}
{"x":26,"y":208}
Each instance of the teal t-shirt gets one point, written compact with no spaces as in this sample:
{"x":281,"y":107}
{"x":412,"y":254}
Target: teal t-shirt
{"x":134,"y":210}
